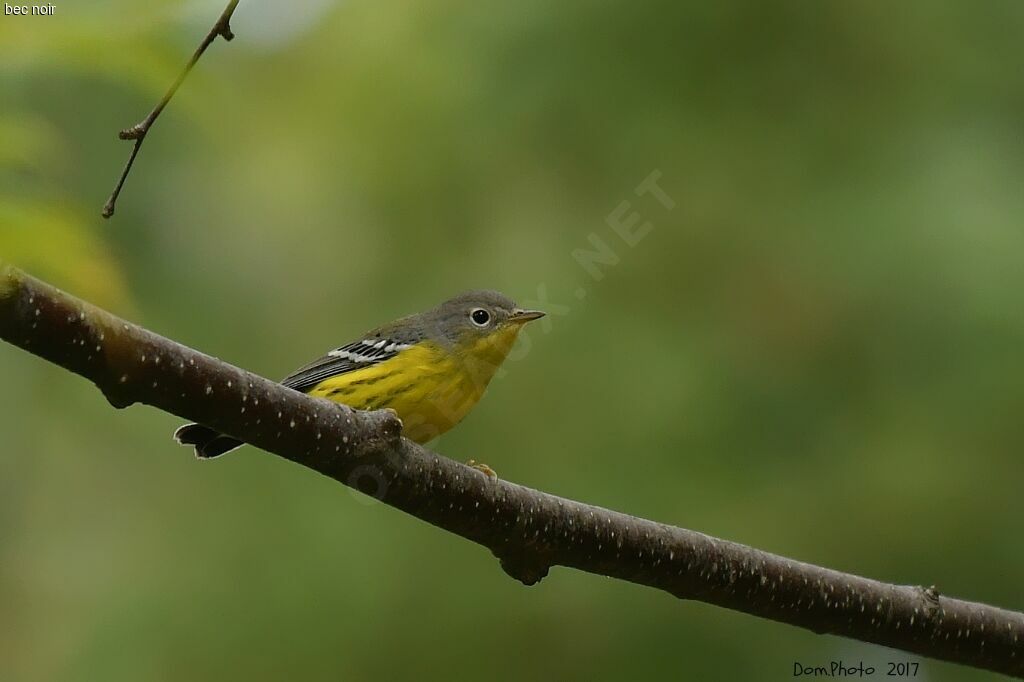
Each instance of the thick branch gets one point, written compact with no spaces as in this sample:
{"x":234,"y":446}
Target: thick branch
{"x":138,"y":131}
{"x":529,"y":531}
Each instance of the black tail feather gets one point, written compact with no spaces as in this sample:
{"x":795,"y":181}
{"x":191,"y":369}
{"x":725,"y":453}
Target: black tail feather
{"x":208,"y":443}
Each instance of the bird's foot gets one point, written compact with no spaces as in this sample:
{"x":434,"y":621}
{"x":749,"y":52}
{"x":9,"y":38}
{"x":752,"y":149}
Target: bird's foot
{"x":487,"y":471}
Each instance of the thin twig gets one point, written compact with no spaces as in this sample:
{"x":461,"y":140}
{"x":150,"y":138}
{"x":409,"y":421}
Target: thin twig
{"x":138,"y":131}
{"x":528,"y":530}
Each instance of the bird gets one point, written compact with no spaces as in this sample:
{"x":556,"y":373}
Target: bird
{"x":431,"y":368}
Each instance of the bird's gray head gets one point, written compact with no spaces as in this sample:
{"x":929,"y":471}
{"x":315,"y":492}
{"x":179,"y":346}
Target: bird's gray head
{"x":479,"y":314}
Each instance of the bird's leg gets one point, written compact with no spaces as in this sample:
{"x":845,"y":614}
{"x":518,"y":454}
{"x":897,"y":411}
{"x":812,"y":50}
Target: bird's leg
{"x":487,"y":471}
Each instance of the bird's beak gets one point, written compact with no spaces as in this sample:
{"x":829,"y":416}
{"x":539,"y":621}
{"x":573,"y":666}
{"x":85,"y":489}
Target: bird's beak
{"x":520,"y":316}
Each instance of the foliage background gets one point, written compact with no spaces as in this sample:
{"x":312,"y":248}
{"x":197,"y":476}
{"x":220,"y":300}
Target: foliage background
{"x":816,"y":352}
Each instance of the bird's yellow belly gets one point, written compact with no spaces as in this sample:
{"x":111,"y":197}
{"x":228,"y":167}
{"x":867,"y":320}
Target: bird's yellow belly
{"x":430,"y":390}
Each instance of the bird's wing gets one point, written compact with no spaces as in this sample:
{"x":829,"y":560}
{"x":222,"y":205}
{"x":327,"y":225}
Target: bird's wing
{"x":349,"y":358}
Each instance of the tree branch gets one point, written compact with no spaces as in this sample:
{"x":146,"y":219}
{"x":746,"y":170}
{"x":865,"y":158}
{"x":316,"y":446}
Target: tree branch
{"x":138,"y":131}
{"x":529,"y":531}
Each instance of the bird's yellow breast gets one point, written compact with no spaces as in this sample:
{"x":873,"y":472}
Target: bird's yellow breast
{"x":430,"y":387}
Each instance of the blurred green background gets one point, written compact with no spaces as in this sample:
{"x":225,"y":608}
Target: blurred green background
{"x":816,"y":352}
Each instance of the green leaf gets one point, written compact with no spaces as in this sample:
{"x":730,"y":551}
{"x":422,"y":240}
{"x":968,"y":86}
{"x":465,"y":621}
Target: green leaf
{"x":58,"y":245}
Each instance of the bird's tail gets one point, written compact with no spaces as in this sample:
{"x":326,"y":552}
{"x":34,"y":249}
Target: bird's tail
{"x":208,"y":443}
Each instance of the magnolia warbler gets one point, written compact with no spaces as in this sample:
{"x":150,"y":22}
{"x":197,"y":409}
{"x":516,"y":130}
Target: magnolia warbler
{"x":430,"y":368}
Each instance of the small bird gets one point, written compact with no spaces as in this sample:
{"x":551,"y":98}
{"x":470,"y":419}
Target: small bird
{"x":430,"y":368}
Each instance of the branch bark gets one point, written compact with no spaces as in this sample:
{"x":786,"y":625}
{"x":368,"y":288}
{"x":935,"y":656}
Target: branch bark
{"x":527,"y":530}
{"x":138,"y":131}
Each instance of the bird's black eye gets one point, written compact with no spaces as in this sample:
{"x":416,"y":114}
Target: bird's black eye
{"x":480,"y":317}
